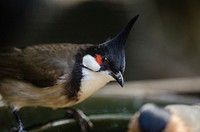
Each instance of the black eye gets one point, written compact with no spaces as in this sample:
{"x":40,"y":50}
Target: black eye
{"x":106,"y":60}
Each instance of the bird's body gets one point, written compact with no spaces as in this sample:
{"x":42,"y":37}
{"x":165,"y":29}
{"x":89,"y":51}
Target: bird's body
{"x":60,"y":75}
{"x":41,"y":76}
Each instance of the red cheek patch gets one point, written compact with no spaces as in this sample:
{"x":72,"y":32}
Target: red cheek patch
{"x":98,"y":59}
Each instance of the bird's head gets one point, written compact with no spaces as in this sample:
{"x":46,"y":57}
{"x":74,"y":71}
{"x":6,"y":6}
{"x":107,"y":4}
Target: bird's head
{"x":109,"y":57}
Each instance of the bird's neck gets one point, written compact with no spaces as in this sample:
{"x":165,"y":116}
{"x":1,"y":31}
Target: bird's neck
{"x":91,"y":82}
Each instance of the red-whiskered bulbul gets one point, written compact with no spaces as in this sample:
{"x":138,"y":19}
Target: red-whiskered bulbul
{"x":60,"y":75}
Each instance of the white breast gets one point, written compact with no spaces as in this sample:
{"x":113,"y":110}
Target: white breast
{"x":92,"y":81}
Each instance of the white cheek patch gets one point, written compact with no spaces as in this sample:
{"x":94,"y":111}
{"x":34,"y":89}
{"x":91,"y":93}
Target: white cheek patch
{"x":90,"y":63}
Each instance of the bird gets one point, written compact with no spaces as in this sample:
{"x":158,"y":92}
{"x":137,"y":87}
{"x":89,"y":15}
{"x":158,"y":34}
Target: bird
{"x":171,"y":118}
{"x":60,"y":75}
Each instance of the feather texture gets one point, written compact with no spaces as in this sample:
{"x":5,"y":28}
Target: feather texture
{"x":42,"y":65}
{"x":39,"y":75}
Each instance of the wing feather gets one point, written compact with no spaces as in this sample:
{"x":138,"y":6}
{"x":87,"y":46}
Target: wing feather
{"x":42,"y":65}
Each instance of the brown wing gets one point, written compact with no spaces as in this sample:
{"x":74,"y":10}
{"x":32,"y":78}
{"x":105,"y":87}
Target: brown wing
{"x":42,"y":65}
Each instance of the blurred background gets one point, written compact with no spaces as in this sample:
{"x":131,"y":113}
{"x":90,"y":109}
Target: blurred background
{"x":163,"y":44}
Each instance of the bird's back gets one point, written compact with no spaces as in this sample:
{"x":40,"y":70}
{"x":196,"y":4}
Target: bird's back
{"x":39,"y":64}
{"x":36,"y":75}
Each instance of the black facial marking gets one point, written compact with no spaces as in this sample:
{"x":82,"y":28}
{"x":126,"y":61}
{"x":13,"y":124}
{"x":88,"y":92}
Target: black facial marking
{"x":115,"y":57}
{"x":73,"y":86}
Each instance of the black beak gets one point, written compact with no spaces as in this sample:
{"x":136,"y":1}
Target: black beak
{"x":118,"y":77}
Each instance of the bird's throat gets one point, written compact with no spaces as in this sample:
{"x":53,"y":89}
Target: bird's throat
{"x":91,"y":82}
